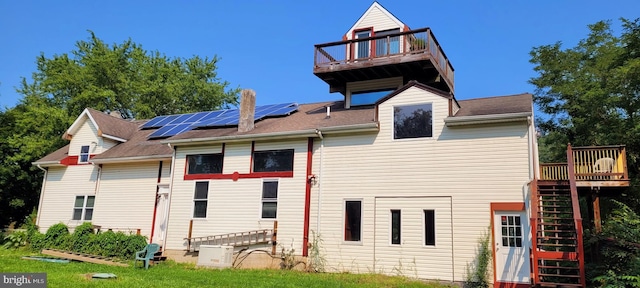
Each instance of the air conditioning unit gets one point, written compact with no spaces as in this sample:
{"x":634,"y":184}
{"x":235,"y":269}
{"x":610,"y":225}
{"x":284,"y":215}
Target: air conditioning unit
{"x":217,"y":256}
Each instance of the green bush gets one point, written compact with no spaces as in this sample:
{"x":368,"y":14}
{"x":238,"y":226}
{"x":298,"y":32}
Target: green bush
{"x":57,"y":237}
{"x":80,"y":238}
{"x":15,"y":239}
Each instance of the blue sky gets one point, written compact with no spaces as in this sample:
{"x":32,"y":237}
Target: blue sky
{"x":268,"y":45}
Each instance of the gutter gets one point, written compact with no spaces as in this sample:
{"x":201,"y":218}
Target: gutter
{"x":46,"y":163}
{"x":373,"y":126}
{"x":114,"y":138}
{"x":487,"y":119}
{"x":44,"y":183}
{"x":131,"y":159}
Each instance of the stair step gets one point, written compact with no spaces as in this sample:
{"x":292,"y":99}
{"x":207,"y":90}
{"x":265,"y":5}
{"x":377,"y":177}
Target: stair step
{"x":558,"y":267}
{"x":556,"y":245}
{"x":558,"y":231}
{"x":556,"y":238}
{"x":554,"y":206}
{"x":558,"y":275}
{"x":551,"y":284}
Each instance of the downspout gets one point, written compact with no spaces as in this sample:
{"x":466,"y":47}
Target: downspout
{"x":171,"y":175}
{"x":44,"y":182}
{"x":307,"y":198}
{"x":97,"y":187}
{"x":320,"y":180}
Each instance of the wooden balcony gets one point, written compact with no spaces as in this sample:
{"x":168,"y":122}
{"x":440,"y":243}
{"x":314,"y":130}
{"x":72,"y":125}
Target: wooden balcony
{"x":414,"y":55}
{"x":603,"y":166}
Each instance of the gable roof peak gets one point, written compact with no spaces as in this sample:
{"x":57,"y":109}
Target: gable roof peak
{"x":376,"y":5}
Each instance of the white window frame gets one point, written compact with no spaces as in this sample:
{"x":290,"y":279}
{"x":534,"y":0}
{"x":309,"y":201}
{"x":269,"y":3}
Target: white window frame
{"x":424,"y":228}
{"x":269,"y":200}
{"x":86,"y":154}
{"x":206,"y":200}
{"x":84,"y":207}
{"x":391,"y":227}
{"x":344,"y":217}
{"x":393,"y":124}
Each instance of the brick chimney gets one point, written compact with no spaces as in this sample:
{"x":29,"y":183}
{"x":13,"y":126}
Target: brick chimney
{"x":247,"y":110}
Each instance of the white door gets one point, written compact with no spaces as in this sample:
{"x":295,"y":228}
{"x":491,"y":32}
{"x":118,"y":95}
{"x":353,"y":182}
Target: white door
{"x":413,"y":237}
{"x":511,"y":241}
{"x":162,"y":205}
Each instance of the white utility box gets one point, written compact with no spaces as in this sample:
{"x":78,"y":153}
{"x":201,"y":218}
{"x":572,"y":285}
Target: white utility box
{"x":218,"y":256}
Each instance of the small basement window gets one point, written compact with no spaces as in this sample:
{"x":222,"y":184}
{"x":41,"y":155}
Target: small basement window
{"x":269,"y":199}
{"x":395,"y":227}
{"x":200,"y":199}
{"x":429,"y":227}
{"x":84,"y":154}
{"x":204,"y":164}
{"x":412,"y":121}
{"x":353,"y":221}
{"x":273,"y":161}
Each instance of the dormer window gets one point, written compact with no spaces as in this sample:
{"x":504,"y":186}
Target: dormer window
{"x":412,"y":121}
{"x":84,"y":154}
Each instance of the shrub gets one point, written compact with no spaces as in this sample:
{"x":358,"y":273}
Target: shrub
{"x":80,"y":238}
{"x":14,"y":240}
{"x":478,"y":273}
{"x":57,"y":236}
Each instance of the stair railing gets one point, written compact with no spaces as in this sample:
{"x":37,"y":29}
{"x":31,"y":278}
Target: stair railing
{"x":575,"y":203}
{"x":534,"y":228}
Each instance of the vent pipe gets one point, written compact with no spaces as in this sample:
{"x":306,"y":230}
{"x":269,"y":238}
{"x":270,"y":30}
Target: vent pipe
{"x":247,"y":110}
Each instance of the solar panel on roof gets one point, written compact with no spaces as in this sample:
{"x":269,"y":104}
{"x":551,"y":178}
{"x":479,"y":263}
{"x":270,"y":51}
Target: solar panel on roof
{"x":172,"y":125}
{"x":152,"y":123}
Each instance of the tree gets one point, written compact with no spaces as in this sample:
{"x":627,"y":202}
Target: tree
{"x":118,"y":77}
{"x":591,"y":93}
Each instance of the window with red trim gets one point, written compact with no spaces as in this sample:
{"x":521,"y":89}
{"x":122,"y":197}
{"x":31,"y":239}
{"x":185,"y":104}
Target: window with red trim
{"x":273,"y":161}
{"x":204,"y":164}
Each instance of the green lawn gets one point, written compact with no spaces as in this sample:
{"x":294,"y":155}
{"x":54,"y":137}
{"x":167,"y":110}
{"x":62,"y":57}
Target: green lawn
{"x":170,"y":274}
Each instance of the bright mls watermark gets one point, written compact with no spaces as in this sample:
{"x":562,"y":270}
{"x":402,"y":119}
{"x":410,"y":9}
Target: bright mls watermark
{"x":23,"y":280}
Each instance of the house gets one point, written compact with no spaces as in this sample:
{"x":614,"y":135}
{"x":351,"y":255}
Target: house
{"x":397,"y":177}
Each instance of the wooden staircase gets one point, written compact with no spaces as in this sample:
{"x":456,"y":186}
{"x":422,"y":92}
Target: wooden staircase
{"x":558,"y":254}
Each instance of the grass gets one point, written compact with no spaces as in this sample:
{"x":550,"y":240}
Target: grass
{"x":171,"y":274}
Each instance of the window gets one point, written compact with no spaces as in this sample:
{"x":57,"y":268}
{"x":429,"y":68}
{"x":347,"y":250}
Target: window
{"x":429,"y":227}
{"x":83,"y":207}
{"x":269,"y":199}
{"x":200,"y":198}
{"x":362,"y":47}
{"x":511,"y":231}
{"x":353,"y":220}
{"x":368,"y":97}
{"x":388,"y":45}
{"x":84,"y":154}
{"x":412,"y":121}
{"x":204,"y":164}
{"x":395,"y":227}
{"x":273,"y":161}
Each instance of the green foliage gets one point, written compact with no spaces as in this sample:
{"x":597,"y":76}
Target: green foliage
{"x":317,"y":260}
{"x":15,"y":239}
{"x":478,"y":272}
{"x":57,"y":237}
{"x":288,"y":258}
{"x":108,"y":77}
{"x":80,"y":240}
{"x":618,"y":248}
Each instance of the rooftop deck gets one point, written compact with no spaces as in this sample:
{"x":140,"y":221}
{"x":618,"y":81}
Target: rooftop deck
{"x":414,"y":54}
{"x":602,"y":166}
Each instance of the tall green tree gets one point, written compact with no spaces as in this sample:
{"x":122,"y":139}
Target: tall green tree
{"x":591,"y":94}
{"x":118,"y":77}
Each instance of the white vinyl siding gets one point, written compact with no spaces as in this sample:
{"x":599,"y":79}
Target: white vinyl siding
{"x":87,"y":135}
{"x":474,"y":165}
{"x":235,"y":206}
{"x":126,"y":198}
{"x":63,"y":184}
{"x":377,"y":18}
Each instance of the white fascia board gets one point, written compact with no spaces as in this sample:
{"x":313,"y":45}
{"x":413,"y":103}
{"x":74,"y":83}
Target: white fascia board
{"x":373,"y":126}
{"x":487,"y":119}
{"x":384,"y":11}
{"x":131,"y":159}
{"x":47,"y":163}
{"x":76,"y":124}
{"x":114,"y":138}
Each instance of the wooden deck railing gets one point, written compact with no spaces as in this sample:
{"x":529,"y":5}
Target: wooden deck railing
{"x":397,"y":44}
{"x":602,"y":163}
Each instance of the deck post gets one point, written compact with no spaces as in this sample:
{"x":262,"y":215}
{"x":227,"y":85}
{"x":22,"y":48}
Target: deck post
{"x":189,"y":235}
{"x":274,"y":238}
{"x":597,"y":223}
